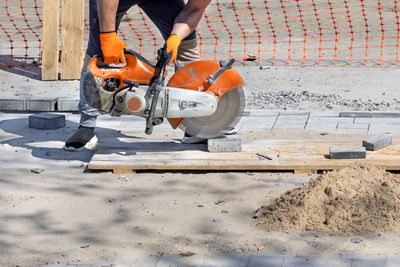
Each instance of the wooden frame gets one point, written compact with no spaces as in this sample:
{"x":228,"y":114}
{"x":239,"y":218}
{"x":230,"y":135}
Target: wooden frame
{"x":72,"y":33}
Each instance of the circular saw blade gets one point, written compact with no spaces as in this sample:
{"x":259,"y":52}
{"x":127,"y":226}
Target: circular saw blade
{"x":229,"y":112}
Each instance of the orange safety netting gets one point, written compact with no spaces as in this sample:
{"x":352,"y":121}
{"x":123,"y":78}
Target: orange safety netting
{"x":278,"y":32}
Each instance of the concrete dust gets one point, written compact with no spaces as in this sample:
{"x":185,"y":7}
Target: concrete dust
{"x":354,"y":200}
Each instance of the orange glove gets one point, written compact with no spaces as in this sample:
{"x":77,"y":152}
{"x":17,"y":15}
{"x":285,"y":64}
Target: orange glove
{"x":173,"y":43}
{"x":112,"y":48}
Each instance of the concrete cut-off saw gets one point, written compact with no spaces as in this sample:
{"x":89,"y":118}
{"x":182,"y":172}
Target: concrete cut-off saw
{"x":204,"y":98}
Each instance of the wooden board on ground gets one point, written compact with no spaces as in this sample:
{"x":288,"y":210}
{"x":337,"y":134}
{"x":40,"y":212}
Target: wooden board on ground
{"x":125,"y":155}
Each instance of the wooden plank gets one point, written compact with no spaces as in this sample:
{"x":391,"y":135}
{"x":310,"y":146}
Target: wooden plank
{"x":51,"y":16}
{"x":300,"y":156}
{"x":72,"y":31}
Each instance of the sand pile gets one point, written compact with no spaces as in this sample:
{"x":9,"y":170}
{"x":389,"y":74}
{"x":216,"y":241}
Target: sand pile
{"x":354,"y":200}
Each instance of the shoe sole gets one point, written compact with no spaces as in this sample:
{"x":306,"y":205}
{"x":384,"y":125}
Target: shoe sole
{"x":88,"y":145}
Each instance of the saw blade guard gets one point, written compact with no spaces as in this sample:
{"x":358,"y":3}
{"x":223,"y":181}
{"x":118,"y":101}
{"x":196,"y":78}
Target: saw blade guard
{"x":194,"y":76}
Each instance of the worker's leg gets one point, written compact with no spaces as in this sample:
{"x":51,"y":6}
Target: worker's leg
{"x":85,"y":132}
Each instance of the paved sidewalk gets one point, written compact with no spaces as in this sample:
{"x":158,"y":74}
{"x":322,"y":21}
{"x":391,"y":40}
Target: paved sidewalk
{"x":258,"y":260}
{"x":368,"y":123}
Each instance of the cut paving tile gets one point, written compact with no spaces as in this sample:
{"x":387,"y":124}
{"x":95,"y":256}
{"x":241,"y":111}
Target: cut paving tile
{"x":347,"y":153}
{"x":377,"y":142}
{"x":258,"y":123}
{"x":225,"y":143}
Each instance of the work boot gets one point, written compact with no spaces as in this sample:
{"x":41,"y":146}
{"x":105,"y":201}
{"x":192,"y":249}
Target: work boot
{"x":82,"y":137}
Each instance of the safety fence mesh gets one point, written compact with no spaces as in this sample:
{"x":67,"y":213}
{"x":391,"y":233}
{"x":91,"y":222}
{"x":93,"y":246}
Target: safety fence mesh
{"x":278,"y":32}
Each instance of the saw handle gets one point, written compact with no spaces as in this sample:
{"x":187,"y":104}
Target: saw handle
{"x":155,"y":86}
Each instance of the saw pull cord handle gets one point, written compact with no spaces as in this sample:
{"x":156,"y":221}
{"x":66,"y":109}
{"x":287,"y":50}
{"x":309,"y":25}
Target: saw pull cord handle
{"x":156,"y":85}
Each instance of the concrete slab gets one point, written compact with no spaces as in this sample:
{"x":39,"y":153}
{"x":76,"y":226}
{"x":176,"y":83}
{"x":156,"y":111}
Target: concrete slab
{"x":67,"y":103}
{"x":377,"y":142}
{"x":265,"y":261}
{"x":263,"y":113}
{"x":225,"y":143}
{"x":385,"y":115}
{"x":13,"y":103}
{"x":259,"y":123}
{"x":335,"y":120}
{"x":324,"y":114}
{"x":41,"y":104}
{"x":347,"y":153}
{"x":378,"y":120}
{"x":355,"y":114}
{"x":384,"y":129}
{"x":312,"y":261}
{"x":352,"y":126}
{"x":226,"y":261}
{"x":366,"y":260}
{"x":46,"y":121}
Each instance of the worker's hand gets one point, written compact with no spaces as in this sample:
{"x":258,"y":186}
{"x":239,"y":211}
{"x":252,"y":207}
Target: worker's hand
{"x":173,"y":43}
{"x":112,"y":48}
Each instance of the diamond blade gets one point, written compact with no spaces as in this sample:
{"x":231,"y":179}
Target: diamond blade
{"x":229,"y":112}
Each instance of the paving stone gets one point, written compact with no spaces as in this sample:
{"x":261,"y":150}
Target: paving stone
{"x":378,"y":120}
{"x":324,"y":114}
{"x":335,"y":120}
{"x":265,"y":261}
{"x":377,"y":142}
{"x":175,"y":261}
{"x":291,"y":112}
{"x":352,"y":131}
{"x":366,"y":260}
{"x":385,"y":115}
{"x":352,"y":126}
{"x":225,"y":143}
{"x":46,"y":121}
{"x":321,"y":127}
{"x":67,"y":104}
{"x":310,"y":261}
{"x":13,"y":103}
{"x":291,"y":122}
{"x":355,"y":114}
{"x":264,"y":113}
{"x":393,"y":129}
{"x":393,"y":261}
{"x":347,"y":152}
{"x":41,"y":104}
{"x":226,"y":261}
{"x":259,"y":123}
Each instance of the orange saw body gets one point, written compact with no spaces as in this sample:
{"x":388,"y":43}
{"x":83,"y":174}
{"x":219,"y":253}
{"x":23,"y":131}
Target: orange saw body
{"x":204,"y":98}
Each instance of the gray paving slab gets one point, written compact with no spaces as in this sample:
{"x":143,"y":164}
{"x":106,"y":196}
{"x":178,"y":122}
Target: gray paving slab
{"x":313,"y":261}
{"x":366,"y":260}
{"x":351,"y":131}
{"x":353,"y":126}
{"x":294,"y":112}
{"x":13,"y":103}
{"x":347,"y":153}
{"x":291,"y":122}
{"x":393,"y":261}
{"x":377,"y":142}
{"x":384,"y":129}
{"x":47,"y":121}
{"x":324,"y":114}
{"x":41,"y":104}
{"x":355,"y":114}
{"x":226,"y":261}
{"x":177,"y":261}
{"x":67,"y":103}
{"x":265,"y":261}
{"x":378,"y":120}
{"x":225,"y":143}
{"x":259,"y":123}
{"x":263,"y":113}
{"x":336,"y":120}
{"x":321,"y":127}
{"x":385,"y":115}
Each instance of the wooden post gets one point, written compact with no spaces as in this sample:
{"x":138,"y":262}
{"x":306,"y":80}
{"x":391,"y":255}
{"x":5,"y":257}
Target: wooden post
{"x":50,"y":39}
{"x":73,"y":12}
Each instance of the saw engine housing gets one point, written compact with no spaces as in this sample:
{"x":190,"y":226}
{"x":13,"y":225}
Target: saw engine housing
{"x":190,"y":92}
